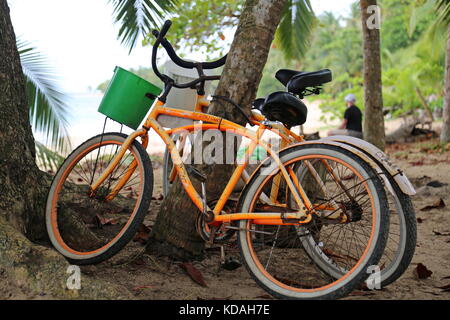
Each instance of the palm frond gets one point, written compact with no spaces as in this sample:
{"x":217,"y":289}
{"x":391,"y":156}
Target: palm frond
{"x":138,"y":17}
{"x":443,"y":11}
{"x":294,"y":32}
{"x":47,"y":102}
{"x":47,"y":159}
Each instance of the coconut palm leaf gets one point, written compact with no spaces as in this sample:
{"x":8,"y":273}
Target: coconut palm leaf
{"x":295,"y":29}
{"x":47,"y":159}
{"x":443,"y":10}
{"x":138,"y":17}
{"x":47,"y":102}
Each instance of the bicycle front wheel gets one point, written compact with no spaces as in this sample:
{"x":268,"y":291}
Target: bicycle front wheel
{"x":89,"y":227}
{"x":275,"y":256}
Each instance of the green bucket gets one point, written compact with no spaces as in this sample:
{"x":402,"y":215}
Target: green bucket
{"x":128,"y":98}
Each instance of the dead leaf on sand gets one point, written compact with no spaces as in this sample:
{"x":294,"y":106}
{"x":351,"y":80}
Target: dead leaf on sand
{"x":159,"y":198}
{"x":264,"y":297}
{"x":422,"y":272}
{"x":445,"y":234}
{"x":143,"y":287}
{"x":142,"y":235}
{"x":417,"y":163}
{"x":445,"y":288}
{"x":214,"y":299}
{"x":439,"y":204}
{"x":102,"y":221}
{"x":194,"y":273}
{"x":358,"y":293}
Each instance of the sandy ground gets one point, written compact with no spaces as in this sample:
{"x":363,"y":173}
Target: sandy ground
{"x":148,"y":277}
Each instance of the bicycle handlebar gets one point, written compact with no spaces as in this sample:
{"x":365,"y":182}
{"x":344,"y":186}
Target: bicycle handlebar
{"x":160,"y":39}
{"x":189,"y":64}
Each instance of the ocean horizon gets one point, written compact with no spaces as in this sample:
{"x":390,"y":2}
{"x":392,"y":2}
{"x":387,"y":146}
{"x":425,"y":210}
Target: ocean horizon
{"x":85,"y":121}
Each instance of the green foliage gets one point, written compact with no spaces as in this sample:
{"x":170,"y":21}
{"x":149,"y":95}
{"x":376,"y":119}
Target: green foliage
{"x":295,"y":28}
{"x":337,"y":45}
{"x":412,"y":55}
{"x":139,"y":17}
{"x":443,"y":11}
{"x":418,"y":67}
{"x":276,"y":61}
{"x":46,"y":158}
{"x":203,"y":25}
{"x":47,"y":102}
{"x":404,"y":22}
{"x":207,"y":26}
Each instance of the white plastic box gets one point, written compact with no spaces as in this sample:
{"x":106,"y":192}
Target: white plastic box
{"x":184,"y":99}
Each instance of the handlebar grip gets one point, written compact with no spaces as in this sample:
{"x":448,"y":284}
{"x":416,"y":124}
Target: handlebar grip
{"x":164,"y":29}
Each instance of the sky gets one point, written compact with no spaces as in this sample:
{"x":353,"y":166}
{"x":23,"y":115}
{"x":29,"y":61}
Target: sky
{"x":80,"y":39}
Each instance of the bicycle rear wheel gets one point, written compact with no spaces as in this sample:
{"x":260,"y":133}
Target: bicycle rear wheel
{"x":87,"y":227}
{"x":275,"y":256}
{"x":402,"y":235}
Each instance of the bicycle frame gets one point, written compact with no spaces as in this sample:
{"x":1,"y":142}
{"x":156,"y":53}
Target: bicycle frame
{"x":287,"y":138}
{"x":210,"y":122}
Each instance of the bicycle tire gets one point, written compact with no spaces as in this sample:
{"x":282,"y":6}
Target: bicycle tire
{"x":140,"y":209}
{"x":353,"y":278}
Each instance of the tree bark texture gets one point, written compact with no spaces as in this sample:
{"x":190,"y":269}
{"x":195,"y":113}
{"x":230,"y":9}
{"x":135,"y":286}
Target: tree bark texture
{"x":22,"y":192}
{"x":175,"y":225}
{"x":33,"y":269}
{"x":374,"y":131}
{"x":445,"y":135}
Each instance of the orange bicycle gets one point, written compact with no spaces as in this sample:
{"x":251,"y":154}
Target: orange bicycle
{"x":101,"y":193}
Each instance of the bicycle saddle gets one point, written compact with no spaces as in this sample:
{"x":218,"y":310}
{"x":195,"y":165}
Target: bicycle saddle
{"x":283,"y":107}
{"x":297,"y":81}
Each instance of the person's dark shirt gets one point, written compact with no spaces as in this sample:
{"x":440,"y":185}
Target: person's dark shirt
{"x":354,"y":118}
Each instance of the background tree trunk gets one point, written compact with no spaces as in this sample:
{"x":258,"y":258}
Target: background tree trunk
{"x":374,"y":131}
{"x":445,"y":135}
{"x":21,"y":183}
{"x":174,"y":231}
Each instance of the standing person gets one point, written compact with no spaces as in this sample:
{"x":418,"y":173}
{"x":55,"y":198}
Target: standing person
{"x":352,"y":123}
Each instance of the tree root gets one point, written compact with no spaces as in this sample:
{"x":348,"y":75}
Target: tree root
{"x":39,"y":271}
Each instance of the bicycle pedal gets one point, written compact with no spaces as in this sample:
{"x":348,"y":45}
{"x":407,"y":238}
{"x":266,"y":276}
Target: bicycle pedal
{"x":212,"y":235}
{"x":231,"y":264}
{"x":196,"y":174}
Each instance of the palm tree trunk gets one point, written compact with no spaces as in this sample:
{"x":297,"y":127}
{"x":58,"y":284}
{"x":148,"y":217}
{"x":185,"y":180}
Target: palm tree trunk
{"x":174,"y":231}
{"x":445,"y":135}
{"x":374,"y":131}
{"x":21,"y":195}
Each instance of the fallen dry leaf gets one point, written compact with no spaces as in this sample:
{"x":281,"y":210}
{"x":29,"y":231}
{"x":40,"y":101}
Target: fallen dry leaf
{"x":437,"y":233}
{"x":417,"y":163}
{"x":217,"y":299}
{"x":265,"y":297}
{"x":439,"y":204}
{"x":194,"y":273}
{"x":422,"y":272}
{"x":142,"y":235}
{"x":159,"y":198}
{"x":143,"y":287}
{"x":357,"y":293}
{"x":445,"y":288}
{"x":102,"y":221}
